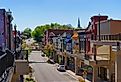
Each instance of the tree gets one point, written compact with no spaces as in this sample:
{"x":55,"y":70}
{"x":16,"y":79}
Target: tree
{"x":27,"y":33}
{"x":39,"y":30}
{"x":37,"y":34}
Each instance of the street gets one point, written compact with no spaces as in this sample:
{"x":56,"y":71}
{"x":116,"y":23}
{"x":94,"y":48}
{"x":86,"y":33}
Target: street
{"x":45,"y":72}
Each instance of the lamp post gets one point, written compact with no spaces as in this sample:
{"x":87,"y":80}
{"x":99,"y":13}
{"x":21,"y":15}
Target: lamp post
{"x":10,"y":18}
{"x":61,"y":45}
{"x":79,"y":44}
{"x":62,"y":59}
{"x":57,"y":43}
{"x":85,"y":46}
{"x":15,"y":39}
{"x":71,"y":46}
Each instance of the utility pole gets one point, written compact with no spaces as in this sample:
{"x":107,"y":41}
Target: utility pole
{"x":99,"y":27}
{"x":85,"y":48}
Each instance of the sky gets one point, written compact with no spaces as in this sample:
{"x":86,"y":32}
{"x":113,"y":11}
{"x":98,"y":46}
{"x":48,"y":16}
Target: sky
{"x":31,"y":13}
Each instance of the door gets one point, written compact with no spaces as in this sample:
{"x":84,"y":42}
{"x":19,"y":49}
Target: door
{"x":103,"y":72}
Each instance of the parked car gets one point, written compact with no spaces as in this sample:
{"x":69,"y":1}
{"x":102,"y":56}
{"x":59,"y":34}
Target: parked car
{"x":61,"y":68}
{"x":43,"y":55}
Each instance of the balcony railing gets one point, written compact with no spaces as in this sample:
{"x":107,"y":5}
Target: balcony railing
{"x":6,"y":62}
{"x":99,"y":57}
{"x":22,"y":55}
{"x":107,"y":37}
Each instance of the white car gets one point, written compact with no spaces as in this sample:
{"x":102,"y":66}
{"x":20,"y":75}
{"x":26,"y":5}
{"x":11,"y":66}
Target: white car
{"x":61,"y":68}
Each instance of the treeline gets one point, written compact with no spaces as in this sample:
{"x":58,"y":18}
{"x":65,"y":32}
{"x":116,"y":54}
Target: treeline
{"x":38,"y":32}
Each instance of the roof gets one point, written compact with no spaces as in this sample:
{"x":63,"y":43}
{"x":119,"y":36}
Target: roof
{"x":108,"y":21}
{"x":58,"y":31}
{"x":97,"y":16}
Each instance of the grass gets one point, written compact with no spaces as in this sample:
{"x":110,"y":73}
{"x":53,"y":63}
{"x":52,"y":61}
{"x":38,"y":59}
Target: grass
{"x":28,"y":79}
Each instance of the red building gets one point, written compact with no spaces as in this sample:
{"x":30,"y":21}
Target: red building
{"x":5,"y":29}
{"x":92,"y":31}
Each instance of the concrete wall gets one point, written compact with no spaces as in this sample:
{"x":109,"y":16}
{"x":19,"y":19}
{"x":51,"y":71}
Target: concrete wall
{"x":22,"y":64}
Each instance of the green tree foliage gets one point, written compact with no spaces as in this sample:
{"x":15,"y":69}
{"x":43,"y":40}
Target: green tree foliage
{"x":26,"y":33}
{"x":39,"y":30}
{"x":37,"y":33}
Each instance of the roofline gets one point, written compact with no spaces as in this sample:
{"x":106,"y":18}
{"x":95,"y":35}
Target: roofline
{"x":108,"y":21}
{"x":98,"y":16}
{"x":62,"y":29}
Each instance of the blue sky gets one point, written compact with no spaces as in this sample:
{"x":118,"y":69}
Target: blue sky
{"x":31,"y":13}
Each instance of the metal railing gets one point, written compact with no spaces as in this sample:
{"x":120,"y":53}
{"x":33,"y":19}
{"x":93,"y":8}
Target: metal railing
{"x":22,"y":54}
{"x":99,"y":57}
{"x":6,"y":62}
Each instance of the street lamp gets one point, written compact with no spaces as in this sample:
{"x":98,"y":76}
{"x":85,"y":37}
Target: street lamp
{"x":15,"y":38}
{"x":61,"y":49}
{"x":9,"y":13}
{"x":85,"y":45}
{"x":10,"y":18}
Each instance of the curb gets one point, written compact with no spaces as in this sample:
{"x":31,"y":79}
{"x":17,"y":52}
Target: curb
{"x":34,"y":77}
{"x":77,"y":77}
{"x":72,"y":75}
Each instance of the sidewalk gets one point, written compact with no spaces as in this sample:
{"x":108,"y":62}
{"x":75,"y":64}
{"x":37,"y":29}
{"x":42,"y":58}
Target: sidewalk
{"x":76,"y":76}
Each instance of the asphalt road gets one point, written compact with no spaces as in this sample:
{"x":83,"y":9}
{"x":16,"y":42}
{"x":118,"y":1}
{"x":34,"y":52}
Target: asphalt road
{"x":45,"y":72}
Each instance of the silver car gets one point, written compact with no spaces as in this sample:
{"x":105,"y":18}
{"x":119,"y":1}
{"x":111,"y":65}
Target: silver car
{"x":61,"y":68}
